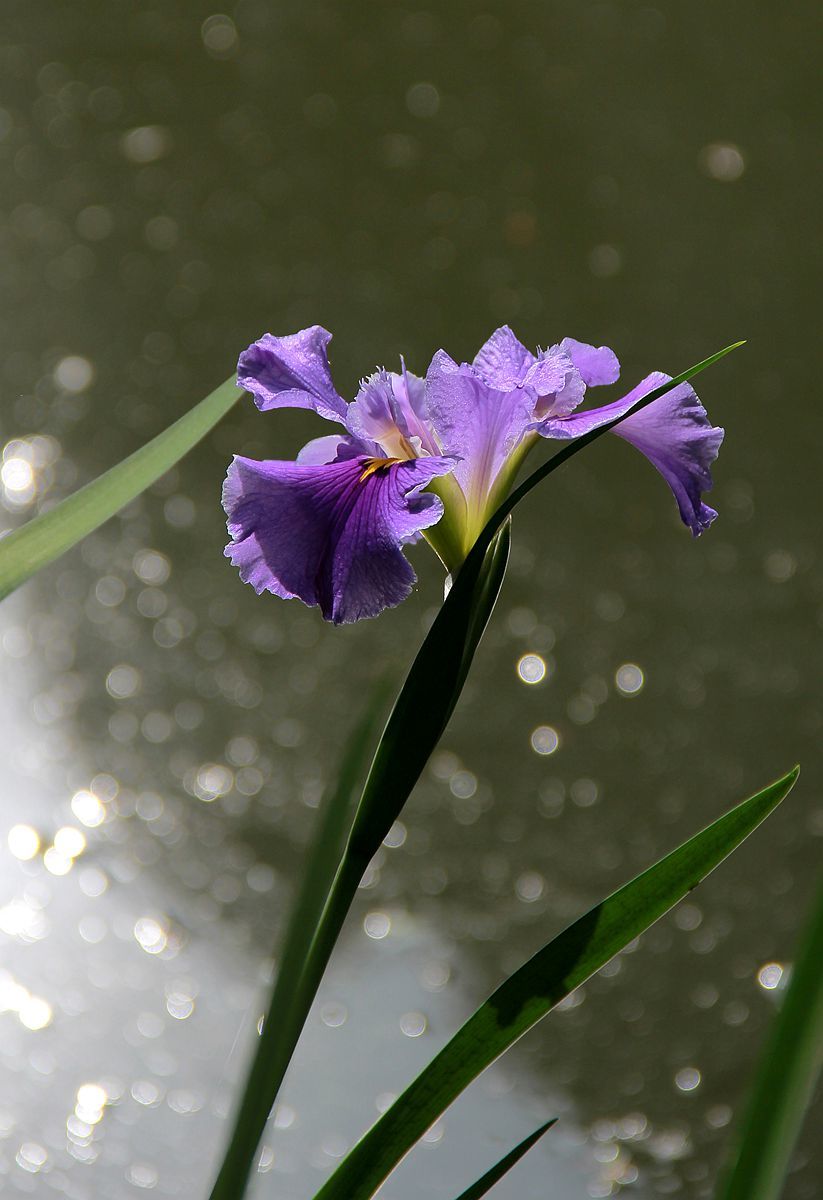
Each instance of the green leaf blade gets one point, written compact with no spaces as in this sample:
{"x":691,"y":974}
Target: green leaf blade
{"x":493,"y":1176}
{"x":40,"y":541}
{"x":429,"y":696}
{"x":414,"y":727}
{"x":528,"y":995}
{"x":294,"y":990}
{"x":786,"y":1076}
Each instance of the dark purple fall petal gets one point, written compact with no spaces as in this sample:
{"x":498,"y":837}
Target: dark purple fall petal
{"x":292,"y":372}
{"x":327,"y":535}
{"x":673,"y":432}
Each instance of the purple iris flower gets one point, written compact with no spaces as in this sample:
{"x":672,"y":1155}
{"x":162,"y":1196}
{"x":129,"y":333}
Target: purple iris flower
{"x":429,"y":457}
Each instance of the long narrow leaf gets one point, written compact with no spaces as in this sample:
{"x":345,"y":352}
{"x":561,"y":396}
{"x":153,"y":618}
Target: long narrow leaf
{"x":786,"y":1077}
{"x":429,"y":696}
{"x":436,"y":678}
{"x":45,"y":538}
{"x":291,"y":999}
{"x":537,"y":987}
{"x":487,"y":1181}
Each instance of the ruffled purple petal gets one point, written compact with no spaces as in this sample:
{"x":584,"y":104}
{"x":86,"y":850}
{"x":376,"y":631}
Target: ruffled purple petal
{"x":596,"y":364}
{"x":391,"y":410}
{"x":410,"y":397}
{"x":477,"y":423}
{"x":331,"y":534}
{"x":375,"y":416}
{"x":673,"y":432}
{"x":292,"y":372}
{"x":555,"y":375}
{"x":557,"y":383}
{"x":503,"y":361}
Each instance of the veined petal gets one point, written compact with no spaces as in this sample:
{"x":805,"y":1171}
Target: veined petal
{"x":331,"y":534}
{"x":292,"y":372}
{"x":503,"y":360}
{"x":596,"y":364}
{"x":375,"y":416}
{"x":479,"y":424}
{"x":557,"y":383}
{"x":553,"y":375}
{"x":673,"y":432}
{"x":409,"y":393}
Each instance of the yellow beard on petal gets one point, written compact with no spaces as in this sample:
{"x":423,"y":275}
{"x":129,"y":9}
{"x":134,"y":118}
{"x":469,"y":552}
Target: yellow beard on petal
{"x":404,"y":452}
{"x":377,"y":464}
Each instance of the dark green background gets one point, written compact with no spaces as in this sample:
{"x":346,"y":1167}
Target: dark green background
{"x":562,"y":185}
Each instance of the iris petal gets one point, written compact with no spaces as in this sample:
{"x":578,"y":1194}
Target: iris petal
{"x":553,"y":375}
{"x":375,"y":416}
{"x":503,"y":360}
{"x":596,"y":364}
{"x":557,"y":383}
{"x":478,"y":423}
{"x":674,"y":433}
{"x":325,"y":449}
{"x":327,"y":535}
{"x":292,"y":372}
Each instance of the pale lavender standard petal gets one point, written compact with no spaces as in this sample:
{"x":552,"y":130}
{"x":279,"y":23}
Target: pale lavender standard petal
{"x":553,"y":375}
{"x":674,"y":433}
{"x":556,"y":382}
{"x":597,"y":364}
{"x":330,"y":535}
{"x":390,"y":410}
{"x":503,"y":360}
{"x":409,"y":392}
{"x":292,"y":372}
{"x":374,"y":416}
{"x":477,"y":423}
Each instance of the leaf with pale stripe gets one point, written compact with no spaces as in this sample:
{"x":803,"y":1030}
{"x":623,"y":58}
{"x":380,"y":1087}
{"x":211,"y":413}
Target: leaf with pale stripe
{"x":40,"y":541}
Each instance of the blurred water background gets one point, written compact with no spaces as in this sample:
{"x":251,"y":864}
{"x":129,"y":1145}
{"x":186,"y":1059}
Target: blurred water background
{"x":176,"y":181}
